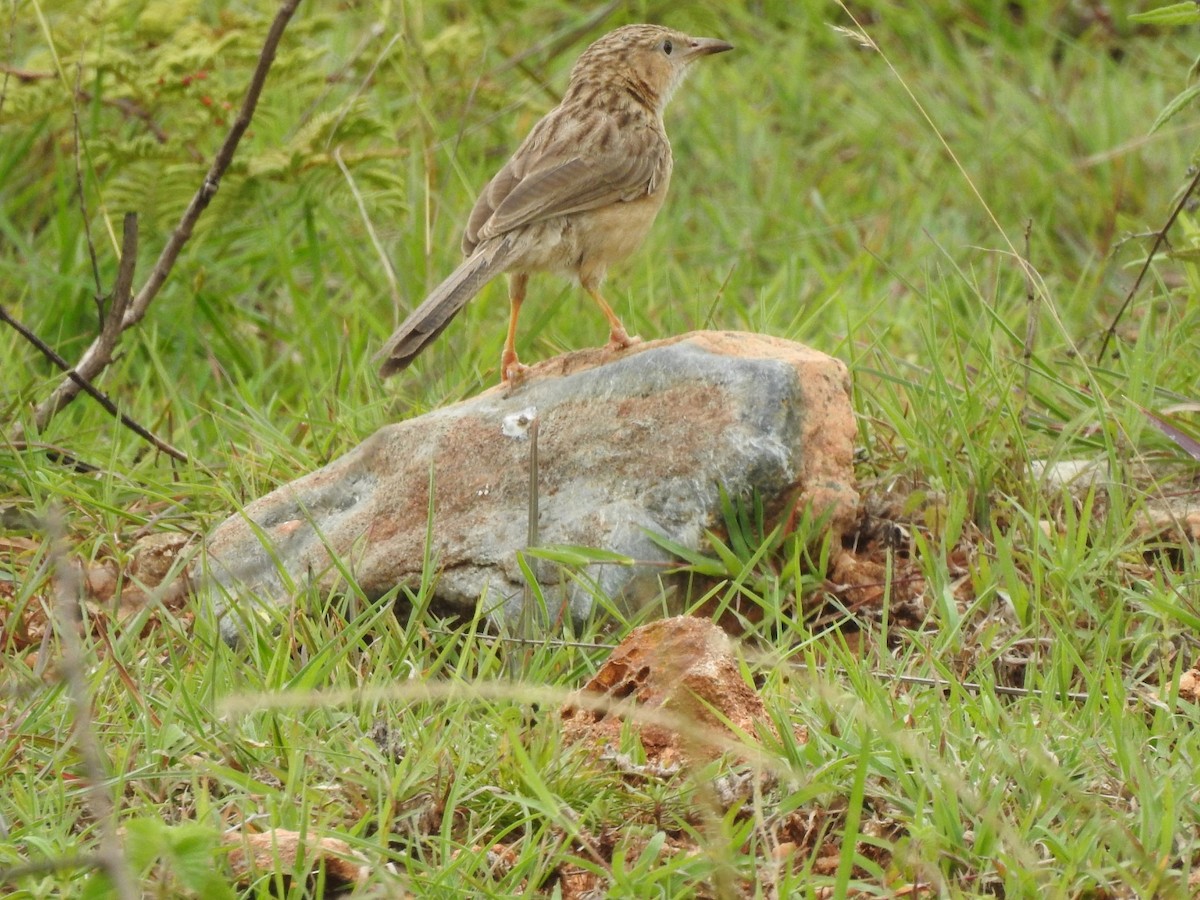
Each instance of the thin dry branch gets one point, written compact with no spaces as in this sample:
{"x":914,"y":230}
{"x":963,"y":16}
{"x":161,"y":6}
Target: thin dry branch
{"x":107,"y":341}
{"x":98,"y":356}
{"x":25,"y":76}
{"x":132,"y":110}
{"x":1160,"y":238}
{"x":1031,"y":325}
{"x":82,"y":193}
{"x":123,"y":286}
{"x":58,"y":455}
{"x":212,"y":181}
{"x":8,"y":70}
{"x":88,"y":388}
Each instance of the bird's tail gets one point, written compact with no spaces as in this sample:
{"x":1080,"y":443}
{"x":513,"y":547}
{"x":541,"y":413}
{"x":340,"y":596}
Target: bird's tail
{"x":428,"y":320}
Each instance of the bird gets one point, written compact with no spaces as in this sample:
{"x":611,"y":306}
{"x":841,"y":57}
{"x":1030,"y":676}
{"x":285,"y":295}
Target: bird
{"x":579,"y":194}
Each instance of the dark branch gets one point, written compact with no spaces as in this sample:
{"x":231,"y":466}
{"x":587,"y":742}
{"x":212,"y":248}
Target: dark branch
{"x":8,"y":70}
{"x":212,"y":181}
{"x":107,"y":341}
{"x":1031,"y":326}
{"x":88,"y":388}
{"x":83,"y":210}
{"x":25,"y":76}
{"x":99,"y":354}
{"x":131,"y":110}
{"x":58,"y":455}
{"x":1159,"y":237}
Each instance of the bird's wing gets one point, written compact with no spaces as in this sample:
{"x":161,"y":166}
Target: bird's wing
{"x":573,"y":185}
{"x":493,"y":194}
{"x":556,"y":185}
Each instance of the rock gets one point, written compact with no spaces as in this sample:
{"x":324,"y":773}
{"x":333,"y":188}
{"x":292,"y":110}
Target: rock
{"x":155,"y":556}
{"x":1189,"y":685}
{"x":1077,"y":475}
{"x":684,"y":667}
{"x":1172,"y":520}
{"x":629,"y":443}
{"x":157,"y":573}
{"x":286,"y":853}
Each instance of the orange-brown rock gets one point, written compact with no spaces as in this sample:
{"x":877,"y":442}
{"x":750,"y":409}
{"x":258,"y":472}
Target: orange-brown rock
{"x":630,"y":444}
{"x":1189,"y":684}
{"x":285,"y":851}
{"x":684,"y":679}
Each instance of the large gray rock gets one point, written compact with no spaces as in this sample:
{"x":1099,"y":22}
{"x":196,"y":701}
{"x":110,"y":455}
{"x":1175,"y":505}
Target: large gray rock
{"x":629,"y":443}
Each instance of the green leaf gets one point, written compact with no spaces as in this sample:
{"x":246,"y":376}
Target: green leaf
{"x":579,"y":556}
{"x":145,"y":841}
{"x":1180,"y":100}
{"x":698,"y":562}
{"x":98,"y":887}
{"x":193,"y":860}
{"x":649,"y":856}
{"x":1175,"y":14}
{"x":732,"y":562}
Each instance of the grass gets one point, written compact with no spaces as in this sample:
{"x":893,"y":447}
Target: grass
{"x":813,"y":198}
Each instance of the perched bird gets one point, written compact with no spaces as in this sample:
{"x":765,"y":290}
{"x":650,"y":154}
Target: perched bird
{"x":579,"y":194}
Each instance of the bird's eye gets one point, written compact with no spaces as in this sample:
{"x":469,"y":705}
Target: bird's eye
{"x":667,"y":47}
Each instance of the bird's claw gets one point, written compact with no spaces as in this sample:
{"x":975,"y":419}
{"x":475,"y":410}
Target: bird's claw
{"x":512,"y":370}
{"x":618,"y":339}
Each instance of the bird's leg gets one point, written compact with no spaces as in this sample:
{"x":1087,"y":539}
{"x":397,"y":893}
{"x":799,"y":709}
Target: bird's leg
{"x":618,"y":337}
{"x":510,"y":367}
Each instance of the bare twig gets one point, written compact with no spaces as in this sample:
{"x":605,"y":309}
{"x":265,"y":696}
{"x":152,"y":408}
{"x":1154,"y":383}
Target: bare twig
{"x":88,"y":388}
{"x":131,"y":110}
{"x":123,"y":286}
{"x":94,"y":359}
{"x":63,"y":457}
{"x":8,"y":70}
{"x":83,"y":210}
{"x":531,"y":531}
{"x":1031,"y":310}
{"x":212,"y":181}
{"x":107,"y":341}
{"x":25,"y":76}
{"x":68,"y":595}
{"x":1160,"y":237}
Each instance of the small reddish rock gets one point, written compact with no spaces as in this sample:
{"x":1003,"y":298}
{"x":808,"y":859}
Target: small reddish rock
{"x":684,"y":667}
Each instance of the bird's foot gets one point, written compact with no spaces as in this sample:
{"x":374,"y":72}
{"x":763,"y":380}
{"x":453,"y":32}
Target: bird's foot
{"x":512,"y":370}
{"x":619,"y":339}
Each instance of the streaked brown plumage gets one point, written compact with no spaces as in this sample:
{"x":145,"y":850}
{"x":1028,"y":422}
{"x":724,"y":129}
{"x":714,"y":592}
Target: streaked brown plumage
{"x":580,"y":193}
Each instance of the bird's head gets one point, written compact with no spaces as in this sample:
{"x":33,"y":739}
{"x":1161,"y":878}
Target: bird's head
{"x":649,"y":59}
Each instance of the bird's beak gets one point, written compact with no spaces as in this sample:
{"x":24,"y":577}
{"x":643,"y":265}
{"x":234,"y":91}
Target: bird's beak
{"x":706,"y":47}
